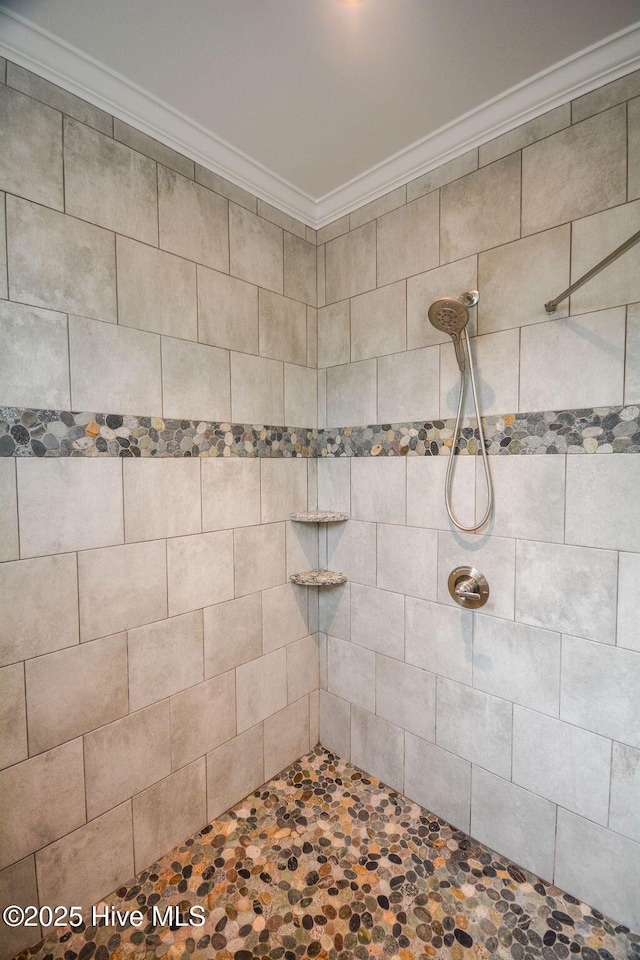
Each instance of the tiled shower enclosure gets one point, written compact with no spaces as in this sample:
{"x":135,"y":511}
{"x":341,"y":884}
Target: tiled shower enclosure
{"x":183,"y":365}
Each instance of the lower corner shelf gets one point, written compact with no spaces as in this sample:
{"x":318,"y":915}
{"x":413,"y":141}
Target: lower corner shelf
{"x":318,"y":578}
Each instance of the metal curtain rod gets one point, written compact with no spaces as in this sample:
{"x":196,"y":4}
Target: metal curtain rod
{"x":552,"y":305}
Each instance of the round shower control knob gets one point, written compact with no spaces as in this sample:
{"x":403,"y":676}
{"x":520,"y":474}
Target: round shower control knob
{"x":468,"y":587}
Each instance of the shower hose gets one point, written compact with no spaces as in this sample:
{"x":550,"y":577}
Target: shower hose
{"x":454,"y":442}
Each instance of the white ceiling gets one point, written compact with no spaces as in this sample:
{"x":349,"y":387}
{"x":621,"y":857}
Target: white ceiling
{"x":304,"y":100}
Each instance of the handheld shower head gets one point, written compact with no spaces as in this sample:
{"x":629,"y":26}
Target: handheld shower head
{"x":451,"y":315}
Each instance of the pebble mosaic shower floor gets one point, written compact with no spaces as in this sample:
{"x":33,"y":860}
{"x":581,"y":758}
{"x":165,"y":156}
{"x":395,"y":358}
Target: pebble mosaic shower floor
{"x":324,"y":861}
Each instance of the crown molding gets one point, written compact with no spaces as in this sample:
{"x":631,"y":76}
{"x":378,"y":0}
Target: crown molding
{"x":48,"y":56}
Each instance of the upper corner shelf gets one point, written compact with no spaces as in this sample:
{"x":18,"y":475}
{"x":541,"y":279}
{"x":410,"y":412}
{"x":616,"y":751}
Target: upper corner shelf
{"x":318,"y":578}
{"x":318,"y":516}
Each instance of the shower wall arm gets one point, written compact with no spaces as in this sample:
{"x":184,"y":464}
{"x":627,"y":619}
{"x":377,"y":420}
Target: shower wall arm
{"x":552,"y":305}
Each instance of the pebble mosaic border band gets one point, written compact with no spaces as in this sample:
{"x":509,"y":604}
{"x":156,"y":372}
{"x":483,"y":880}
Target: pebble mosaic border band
{"x":592,"y":430}
{"x":26,"y":432}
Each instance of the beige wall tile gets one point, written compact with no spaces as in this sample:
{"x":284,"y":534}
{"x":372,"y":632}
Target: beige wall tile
{"x":378,"y":489}
{"x":351,"y":263}
{"x":406,"y":696}
{"x":303,"y":668}
{"x":125,"y":757}
{"x":70,"y":504}
{"x":599,"y":491}
{"x":536,"y":129}
{"x":448,"y":281}
{"x":439,"y":638}
{"x":334,"y":485}
{"x":334,"y":335}
{"x":377,"y":747}
{"x":495,"y":359}
{"x":607,"y":96}
{"x":286,"y":737}
{"x":283,"y":485}
{"x":285,"y":615}
{"x":312,"y":337}
{"x":494,"y":556}
{"x":628,"y":573}
{"x":107,"y":183}
{"x":351,"y":394}
{"x":229,"y":781}
{"x":426,"y":478}
{"x":25,"y":626}
{"x":575,"y":172}
{"x":114,"y":369}
{"x":168,"y":812}
{"x":300,"y":396}
{"x":227,"y":311}
{"x":302,"y":547}
{"x":8,"y":511}
{"x":47,"y":801}
{"x":257,"y":252}
{"x":91,"y":684}
{"x":80,"y":276}
{"x":582,"y":865}
{"x":632,"y":356}
{"x":225,"y":188}
{"x":475,"y":726}
{"x":438,"y":780}
{"x":4,"y":291}
{"x":592,"y":239}
{"x":232,"y":634}
{"x":377,"y":208}
{"x":481,"y":210}
{"x":351,"y":673}
{"x":332,"y":230}
{"x":517,"y":279}
{"x":537,"y":511}
{"x":378,"y":322}
{"x":195,"y":381}
{"x":334,"y":611}
{"x":18,"y":885}
{"x":562,"y":763}
{"x":41,"y":336}
{"x":261,"y":688}
{"x":283,"y":328}
{"x":161,"y":498}
{"x":598,"y":689}
{"x":230,"y":492}
{"x":199,"y":571}
{"x":444,"y":173}
{"x":408,"y":239}
{"x":574,"y":362}
{"x":321,"y":275}
{"x":518,"y":663}
{"x":282,"y":219}
{"x":322,"y":399}
{"x":257,"y":390}
{"x":202,"y":718}
{"x":259,"y":557}
{"x":299,"y":269}
{"x":407,"y":560}
{"x":135,"y":576}
{"x":13,"y":716}
{"x":634,"y":148}
{"x":193,"y":220}
{"x":56,"y":97}
{"x":499,"y":810}
{"x":377,"y":620}
{"x":335,"y":725}
{"x":156,"y":291}
{"x":164,"y":658}
{"x":89,"y":863}
{"x":314,"y":718}
{"x":408,"y":386}
{"x":31,"y":150}
{"x":624,"y":814}
{"x":152,"y":148}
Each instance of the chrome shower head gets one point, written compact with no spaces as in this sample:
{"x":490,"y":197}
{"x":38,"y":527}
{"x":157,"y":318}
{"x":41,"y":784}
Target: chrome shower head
{"x":451,"y":315}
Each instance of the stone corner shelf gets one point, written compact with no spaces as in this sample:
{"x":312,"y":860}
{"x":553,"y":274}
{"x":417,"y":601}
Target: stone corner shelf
{"x":318,"y":516}
{"x":318,"y":578}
